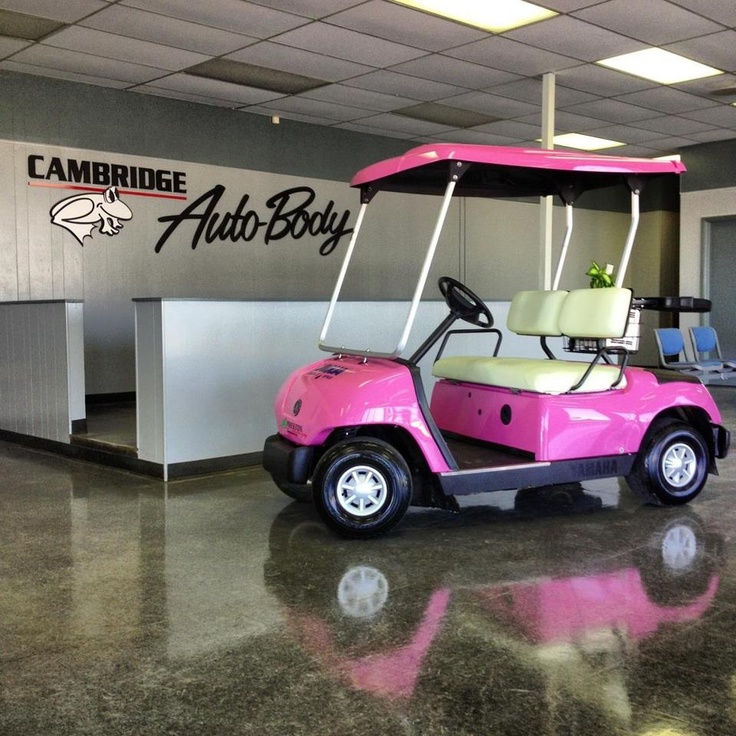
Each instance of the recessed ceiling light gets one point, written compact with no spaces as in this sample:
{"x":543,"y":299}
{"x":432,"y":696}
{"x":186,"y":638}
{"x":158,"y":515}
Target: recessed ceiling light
{"x":28,"y":27}
{"x":496,"y":17}
{"x":660,"y":66}
{"x":583,"y":142}
{"x":250,"y":75}
{"x":445,"y":115}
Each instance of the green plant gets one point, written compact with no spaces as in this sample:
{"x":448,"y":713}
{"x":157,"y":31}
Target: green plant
{"x":600,"y":277}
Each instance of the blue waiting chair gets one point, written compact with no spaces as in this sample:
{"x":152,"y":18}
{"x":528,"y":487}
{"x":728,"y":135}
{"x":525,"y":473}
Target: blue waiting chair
{"x":705,"y":344}
{"x":671,"y":347}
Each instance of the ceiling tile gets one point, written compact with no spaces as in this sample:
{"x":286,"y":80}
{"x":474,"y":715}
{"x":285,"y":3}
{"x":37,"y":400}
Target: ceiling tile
{"x":503,"y":53}
{"x":112,"y":46}
{"x":673,"y":125}
{"x":721,"y":11}
{"x":355,"y":97}
{"x":404,"y":85}
{"x":67,"y":11}
{"x":475,"y":136}
{"x":460,"y":73}
{"x":655,"y":22}
{"x":530,"y":90}
{"x":404,"y":25}
{"x":722,"y":116}
{"x":717,"y":134}
{"x":148,"y":89}
{"x":500,"y":107}
{"x":666,"y":99}
{"x":671,"y":144}
{"x":215,"y":89}
{"x":317,"y":108}
{"x":54,"y":73}
{"x":310,"y":8}
{"x":312,"y":119}
{"x":565,"y":122}
{"x":162,"y":29}
{"x":512,"y":129}
{"x":624,"y":133}
{"x":612,"y":111}
{"x":230,"y":15}
{"x":366,"y":130}
{"x":9,"y":46}
{"x":711,"y":87}
{"x":715,"y":49}
{"x":298,"y":61}
{"x":635,"y":151}
{"x":567,"y":6}
{"x":402,"y":124}
{"x":52,"y":58}
{"x":573,"y":37}
{"x":603,"y":82}
{"x":346,"y":44}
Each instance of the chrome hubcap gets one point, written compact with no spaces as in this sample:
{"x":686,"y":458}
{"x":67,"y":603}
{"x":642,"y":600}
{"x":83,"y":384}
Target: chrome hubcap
{"x":362,"y":491}
{"x":679,"y":465}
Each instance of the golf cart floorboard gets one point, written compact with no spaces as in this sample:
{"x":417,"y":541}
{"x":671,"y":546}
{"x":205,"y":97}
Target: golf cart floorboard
{"x":472,"y":454}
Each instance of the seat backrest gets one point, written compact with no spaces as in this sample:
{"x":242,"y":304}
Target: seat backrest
{"x":705,"y":341}
{"x":669,"y":343}
{"x":536,"y":313}
{"x":596,"y":313}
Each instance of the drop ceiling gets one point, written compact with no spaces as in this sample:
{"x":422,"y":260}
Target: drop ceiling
{"x":377,"y":67}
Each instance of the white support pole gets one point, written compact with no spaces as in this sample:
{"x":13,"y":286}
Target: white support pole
{"x":548,"y":132}
{"x":565,"y":244}
{"x":629,"y":239}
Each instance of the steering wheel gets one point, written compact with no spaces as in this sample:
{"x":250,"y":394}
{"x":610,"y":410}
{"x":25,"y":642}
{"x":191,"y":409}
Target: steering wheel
{"x":464,"y":304}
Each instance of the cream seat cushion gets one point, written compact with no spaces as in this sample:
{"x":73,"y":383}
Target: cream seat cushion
{"x":528,"y":374}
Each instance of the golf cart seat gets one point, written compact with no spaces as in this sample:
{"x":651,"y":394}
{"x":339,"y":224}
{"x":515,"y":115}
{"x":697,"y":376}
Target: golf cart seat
{"x":586,"y":314}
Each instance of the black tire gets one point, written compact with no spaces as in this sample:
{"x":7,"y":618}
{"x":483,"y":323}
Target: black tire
{"x":366,"y":511}
{"x":672,"y":466}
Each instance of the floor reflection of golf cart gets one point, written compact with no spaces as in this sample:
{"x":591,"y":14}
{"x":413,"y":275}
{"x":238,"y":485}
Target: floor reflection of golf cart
{"x":479,"y":624}
{"x":357,"y":435}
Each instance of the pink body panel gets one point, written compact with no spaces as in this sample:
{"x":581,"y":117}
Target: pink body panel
{"x":348,"y":392}
{"x":565,"y":426}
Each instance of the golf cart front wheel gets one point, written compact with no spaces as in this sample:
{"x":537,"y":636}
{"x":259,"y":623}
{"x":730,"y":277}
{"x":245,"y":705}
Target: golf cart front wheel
{"x":672,"y":467}
{"x":362,"y":487}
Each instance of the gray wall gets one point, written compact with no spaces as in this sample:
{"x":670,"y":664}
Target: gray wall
{"x":490,"y":245}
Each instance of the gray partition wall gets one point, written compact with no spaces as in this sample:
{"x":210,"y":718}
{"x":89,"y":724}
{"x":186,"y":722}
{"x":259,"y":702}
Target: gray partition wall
{"x":42,"y":369}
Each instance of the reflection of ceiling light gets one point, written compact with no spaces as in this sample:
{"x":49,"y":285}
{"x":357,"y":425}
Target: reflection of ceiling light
{"x":490,"y":16}
{"x":583,"y":142}
{"x":660,"y":66}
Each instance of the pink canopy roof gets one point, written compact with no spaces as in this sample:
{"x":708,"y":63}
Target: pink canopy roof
{"x":499,"y":171}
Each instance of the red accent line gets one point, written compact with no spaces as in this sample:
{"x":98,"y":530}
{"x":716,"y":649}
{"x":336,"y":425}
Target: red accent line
{"x":132,"y":192}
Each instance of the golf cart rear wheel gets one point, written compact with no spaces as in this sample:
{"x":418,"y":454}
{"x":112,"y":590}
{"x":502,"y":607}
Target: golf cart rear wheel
{"x":672,"y":466}
{"x":362,"y":487}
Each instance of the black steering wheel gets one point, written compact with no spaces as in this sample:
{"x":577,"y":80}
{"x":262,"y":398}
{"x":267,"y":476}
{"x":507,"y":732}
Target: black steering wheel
{"x":464,"y":304}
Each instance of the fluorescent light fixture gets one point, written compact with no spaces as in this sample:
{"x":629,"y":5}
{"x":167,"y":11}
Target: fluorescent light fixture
{"x":28,"y":27}
{"x":250,"y":75}
{"x":433,"y":112}
{"x":583,"y":142}
{"x":495,"y":16}
{"x":660,"y":66}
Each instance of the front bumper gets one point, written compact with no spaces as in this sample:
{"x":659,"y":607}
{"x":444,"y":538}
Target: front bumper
{"x":286,"y":462}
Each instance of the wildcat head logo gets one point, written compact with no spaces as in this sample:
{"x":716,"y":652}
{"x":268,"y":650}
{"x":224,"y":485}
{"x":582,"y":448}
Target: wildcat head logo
{"x":81,"y":213}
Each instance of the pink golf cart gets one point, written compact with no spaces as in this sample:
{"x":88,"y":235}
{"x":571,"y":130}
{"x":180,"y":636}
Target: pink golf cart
{"x":357,"y":435}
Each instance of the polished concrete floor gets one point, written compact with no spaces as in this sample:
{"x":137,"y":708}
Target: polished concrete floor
{"x":218,"y":606}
